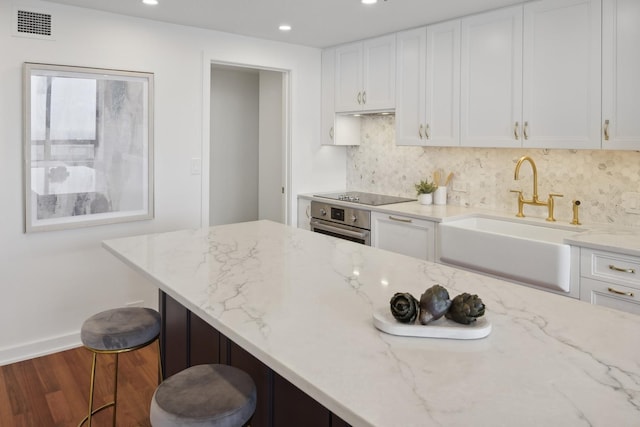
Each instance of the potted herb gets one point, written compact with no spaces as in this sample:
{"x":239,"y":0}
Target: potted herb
{"x":425,"y":190}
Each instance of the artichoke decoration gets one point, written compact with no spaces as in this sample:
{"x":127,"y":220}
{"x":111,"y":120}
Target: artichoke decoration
{"x":466,"y":308}
{"x":434,"y":303}
{"x":404,"y":307}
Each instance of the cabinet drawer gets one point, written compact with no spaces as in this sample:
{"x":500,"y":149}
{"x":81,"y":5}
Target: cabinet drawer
{"x":611,"y":267}
{"x":613,"y":296}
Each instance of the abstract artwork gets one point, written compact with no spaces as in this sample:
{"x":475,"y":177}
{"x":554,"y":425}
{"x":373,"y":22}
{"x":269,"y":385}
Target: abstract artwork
{"x":88,"y":146}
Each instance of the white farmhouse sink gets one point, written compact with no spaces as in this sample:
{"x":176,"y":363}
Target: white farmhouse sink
{"x":529,"y":253}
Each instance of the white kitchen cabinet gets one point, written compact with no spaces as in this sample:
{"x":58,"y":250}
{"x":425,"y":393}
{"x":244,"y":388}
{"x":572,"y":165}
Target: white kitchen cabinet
{"x":404,"y":235}
{"x":328,"y":112}
{"x":620,"y":71}
{"x":365,"y":75}
{"x":428,"y":85}
{"x":531,"y":76}
{"x":304,"y":213}
{"x":610,"y":279}
{"x":491,"y":79}
{"x":562,"y":75}
{"x":411,"y":55}
{"x":335,"y":129}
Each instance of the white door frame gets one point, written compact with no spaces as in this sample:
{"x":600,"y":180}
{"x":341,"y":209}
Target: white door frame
{"x":207,"y":62}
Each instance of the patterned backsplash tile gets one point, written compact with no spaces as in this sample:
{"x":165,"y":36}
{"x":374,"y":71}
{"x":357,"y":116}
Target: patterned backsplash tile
{"x":606,"y":182}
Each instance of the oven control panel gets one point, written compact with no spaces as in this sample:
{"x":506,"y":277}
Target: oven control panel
{"x":343,"y":215}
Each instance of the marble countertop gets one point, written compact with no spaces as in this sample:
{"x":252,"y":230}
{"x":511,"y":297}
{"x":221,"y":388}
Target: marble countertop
{"x":302,"y":303}
{"x":594,"y":236}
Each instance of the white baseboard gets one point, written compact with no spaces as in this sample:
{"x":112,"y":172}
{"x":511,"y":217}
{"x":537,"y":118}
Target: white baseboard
{"x":39,"y":348}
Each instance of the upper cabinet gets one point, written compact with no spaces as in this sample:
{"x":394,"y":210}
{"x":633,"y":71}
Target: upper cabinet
{"x":336,"y":129}
{"x":428,"y":85}
{"x":365,"y":75}
{"x":491,"y":79}
{"x":562,"y":76}
{"x":620,"y":71}
{"x":531,"y":76}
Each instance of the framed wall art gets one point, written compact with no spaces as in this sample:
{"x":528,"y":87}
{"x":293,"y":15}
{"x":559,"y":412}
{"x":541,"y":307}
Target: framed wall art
{"x":88,"y":146}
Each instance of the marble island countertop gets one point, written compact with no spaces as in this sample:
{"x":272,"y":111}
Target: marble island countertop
{"x":303,"y":302}
{"x":605,"y":237}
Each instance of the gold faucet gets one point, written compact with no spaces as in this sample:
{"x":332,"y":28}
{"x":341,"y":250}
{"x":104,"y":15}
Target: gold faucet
{"x":534,"y":200}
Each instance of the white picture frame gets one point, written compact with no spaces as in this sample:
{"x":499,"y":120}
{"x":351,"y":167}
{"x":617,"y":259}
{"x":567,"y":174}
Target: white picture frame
{"x":88,"y":146}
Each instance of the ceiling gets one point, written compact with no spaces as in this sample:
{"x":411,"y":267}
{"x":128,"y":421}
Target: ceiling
{"x":316,"y":23}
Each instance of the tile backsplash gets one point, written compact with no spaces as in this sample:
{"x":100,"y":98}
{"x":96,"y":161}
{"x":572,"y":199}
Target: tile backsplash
{"x":606,"y":182}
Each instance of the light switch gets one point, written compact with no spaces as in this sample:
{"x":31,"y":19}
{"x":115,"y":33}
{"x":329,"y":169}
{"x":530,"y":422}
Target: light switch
{"x":196,"y":166}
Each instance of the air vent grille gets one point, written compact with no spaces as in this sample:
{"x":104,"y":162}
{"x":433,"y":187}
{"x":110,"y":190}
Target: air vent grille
{"x":33,"y":23}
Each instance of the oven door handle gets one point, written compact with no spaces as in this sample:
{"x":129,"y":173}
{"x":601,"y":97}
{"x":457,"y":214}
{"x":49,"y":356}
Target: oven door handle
{"x":338,"y":230}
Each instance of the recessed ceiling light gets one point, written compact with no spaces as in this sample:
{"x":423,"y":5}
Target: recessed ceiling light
{"x":150,"y":2}
{"x":284,"y":27}
{"x":369,"y":1}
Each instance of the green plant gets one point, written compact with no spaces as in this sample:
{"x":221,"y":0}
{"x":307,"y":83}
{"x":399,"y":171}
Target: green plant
{"x":425,"y":187}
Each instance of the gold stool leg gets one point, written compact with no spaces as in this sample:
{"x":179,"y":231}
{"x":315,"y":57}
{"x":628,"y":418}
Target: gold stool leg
{"x":87,"y":419}
{"x":160,"y":373}
{"x":91,"y":388}
{"x":115,"y":390}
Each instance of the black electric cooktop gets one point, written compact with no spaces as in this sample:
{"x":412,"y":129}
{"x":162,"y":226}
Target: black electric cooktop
{"x":370,"y":199}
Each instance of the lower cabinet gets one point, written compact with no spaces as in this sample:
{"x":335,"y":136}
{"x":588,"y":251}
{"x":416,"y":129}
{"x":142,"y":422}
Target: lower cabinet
{"x":610,"y":279}
{"x":405,"y":235}
{"x":187,"y":340}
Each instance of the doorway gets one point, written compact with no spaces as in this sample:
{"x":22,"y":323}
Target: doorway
{"x":247,"y":149}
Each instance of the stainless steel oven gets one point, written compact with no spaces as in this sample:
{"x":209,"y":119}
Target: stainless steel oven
{"x":341,"y":221}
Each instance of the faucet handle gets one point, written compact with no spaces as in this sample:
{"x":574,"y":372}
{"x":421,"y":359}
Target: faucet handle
{"x":516,"y":191}
{"x":550,"y":205}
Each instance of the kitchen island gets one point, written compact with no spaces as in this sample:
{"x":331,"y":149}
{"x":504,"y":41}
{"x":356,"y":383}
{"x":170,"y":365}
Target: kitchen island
{"x":302,"y":304}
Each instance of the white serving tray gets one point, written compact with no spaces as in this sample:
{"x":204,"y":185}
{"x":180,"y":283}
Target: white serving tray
{"x":441,"y":328}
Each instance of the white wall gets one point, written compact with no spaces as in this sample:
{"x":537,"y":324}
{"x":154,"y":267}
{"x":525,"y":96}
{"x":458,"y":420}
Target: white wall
{"x":271,"y":178}
{"x":52,"y":281}
{"x":234,"y":146}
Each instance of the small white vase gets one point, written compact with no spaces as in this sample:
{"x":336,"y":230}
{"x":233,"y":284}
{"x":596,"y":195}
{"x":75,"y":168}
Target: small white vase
{"x":425,"y":199}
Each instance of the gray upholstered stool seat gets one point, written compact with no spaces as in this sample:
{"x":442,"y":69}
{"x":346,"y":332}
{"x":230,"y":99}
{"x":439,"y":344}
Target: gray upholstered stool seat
{"x":120,"y":329}
{"x":204,"y":396}
{"x":113,"y":332}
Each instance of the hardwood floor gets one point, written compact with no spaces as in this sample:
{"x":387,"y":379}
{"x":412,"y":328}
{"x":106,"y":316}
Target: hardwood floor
{"x":54,"y":390}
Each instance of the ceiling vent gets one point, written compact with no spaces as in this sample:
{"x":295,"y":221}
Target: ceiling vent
{"x":32,"y":24}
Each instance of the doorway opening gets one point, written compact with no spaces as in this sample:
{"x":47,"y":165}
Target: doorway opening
{"x":248,"y":145}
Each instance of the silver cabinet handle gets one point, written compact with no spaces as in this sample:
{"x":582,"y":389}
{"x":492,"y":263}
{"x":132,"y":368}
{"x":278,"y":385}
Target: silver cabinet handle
{"x":427,"y":131}
{"x":606,"y":130}
{"x":364,"y":97}
{"x":331,"y":133}
{"x":358,"y":235}
{"x":308,"y":211}
{"x":407,"y":220}
{"x":615,"y":291}
{"x":360,"y":98}
{"x":420,"y":131}
{"x":515,"y":131}
{"x":623,"y":270}
{"x":525,"y":130}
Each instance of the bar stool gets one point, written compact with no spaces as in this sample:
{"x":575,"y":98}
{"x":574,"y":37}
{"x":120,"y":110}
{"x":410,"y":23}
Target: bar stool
{"x":116,"y":331}
{"x":204,"y":396}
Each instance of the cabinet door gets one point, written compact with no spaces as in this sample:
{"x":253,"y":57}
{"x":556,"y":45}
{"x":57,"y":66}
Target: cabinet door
{"x":443,"y":84}
{"x":404,"y":235}
{"x":292,"y":407}
{"x":328,"y":113}
{"x":561,"y":74}
{"x":379,"y":73}
{"x":491,"y":79}
{"x":411,"y":49}
{"x":620,"y":71}
{"x":348,"y":78}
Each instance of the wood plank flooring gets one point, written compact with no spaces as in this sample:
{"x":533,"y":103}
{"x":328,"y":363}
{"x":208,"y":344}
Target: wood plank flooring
{"x":53,"y":390}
